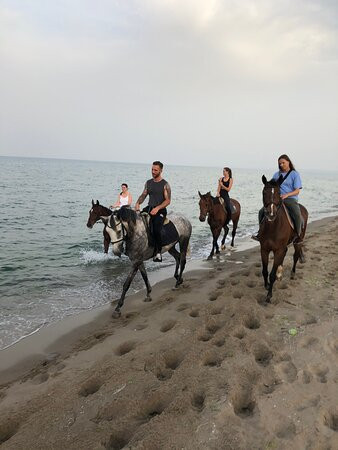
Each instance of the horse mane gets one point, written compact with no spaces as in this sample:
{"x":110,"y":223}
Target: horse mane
{"x":273,"y":182}
{"x":126,"y":214}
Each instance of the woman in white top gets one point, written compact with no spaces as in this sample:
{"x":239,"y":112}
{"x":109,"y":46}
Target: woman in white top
{"x":124,"y":198}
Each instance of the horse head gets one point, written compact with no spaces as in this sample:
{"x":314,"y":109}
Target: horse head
{"x":271,"y":197}
{"x":205,"y":203}
{"x":96,"y":213}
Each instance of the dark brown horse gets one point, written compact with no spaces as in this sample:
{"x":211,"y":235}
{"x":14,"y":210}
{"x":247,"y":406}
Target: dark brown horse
{"x":101,"y":211}
{"x":276,"y":233}
{"x":210,"y":206}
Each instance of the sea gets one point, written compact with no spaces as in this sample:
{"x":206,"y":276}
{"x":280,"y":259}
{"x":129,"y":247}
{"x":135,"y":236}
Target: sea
{"x":53,"y":266}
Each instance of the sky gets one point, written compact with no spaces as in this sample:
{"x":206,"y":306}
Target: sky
{"x":188,"y":82}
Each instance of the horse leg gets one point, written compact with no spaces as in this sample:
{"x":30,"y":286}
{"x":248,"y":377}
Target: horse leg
{"x":126,"y":285}
{"x":173,"y":252}
{"x":106,"y":240}
{"x":298,"y":254}
{"x":226,"y":231}
{"x":183,"y":259}
{"x":234,"y":228}
{"x":215,"y":234}
{"x":277,"y":261}
{"x":146,"y":282}
{"x":265,"y":262}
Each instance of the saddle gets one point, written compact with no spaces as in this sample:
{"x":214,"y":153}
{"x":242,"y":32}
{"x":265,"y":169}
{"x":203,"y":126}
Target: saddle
{"x":169,"y":233}
{"x":233,"y":207}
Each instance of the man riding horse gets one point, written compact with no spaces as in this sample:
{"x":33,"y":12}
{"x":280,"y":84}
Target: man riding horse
{"x":159,"y":193}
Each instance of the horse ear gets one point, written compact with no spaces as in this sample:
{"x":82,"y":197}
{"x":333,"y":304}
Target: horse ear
{"x":264,"y":179}
{"x":199,"y":194}
{"x":92,"y":202}
{"x":97,"y":202}
{"x":280,"y":180}
{"x":209,"y":193}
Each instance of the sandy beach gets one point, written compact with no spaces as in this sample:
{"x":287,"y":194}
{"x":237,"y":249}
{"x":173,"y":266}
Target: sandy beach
{"x":207,"y":366}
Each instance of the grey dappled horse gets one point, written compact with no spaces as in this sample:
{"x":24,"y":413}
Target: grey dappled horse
{"x":129,"y":235}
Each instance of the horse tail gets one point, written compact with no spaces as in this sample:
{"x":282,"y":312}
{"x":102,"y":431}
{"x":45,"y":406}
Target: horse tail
{"x":188,"y":254}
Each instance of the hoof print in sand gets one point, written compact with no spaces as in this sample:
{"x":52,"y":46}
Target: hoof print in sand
{"x":285,"y":429}
{"x":8,"y":429}
{"x":204,"y":336}
{"x":251,"y":322}
{"x":287,"y":371}
{"x":125,"y":348}
{"x":212,"y":359}
{"x":167,"y":325}
{"x":214,"y":296}
{"x":194,"y":313}
{"x":330,"y":418}
{"x":237,"y":294}
{"x":183,"y":307}
{"x":213,"y":325}
{"x":243,"y":401}
{"x":118,"y":440}
{"x":219,"y":342}
{"x":240,"y":333}
{"x":152,"y":407}
{"x":262,"y":354}
{"x":320,"y":372}
{"x":198,"y":400}
{"x":173,"y":359}
{"x":90,"y":387}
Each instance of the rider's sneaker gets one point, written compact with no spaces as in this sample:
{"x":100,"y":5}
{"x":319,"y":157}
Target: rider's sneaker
{"x":157,"y":257}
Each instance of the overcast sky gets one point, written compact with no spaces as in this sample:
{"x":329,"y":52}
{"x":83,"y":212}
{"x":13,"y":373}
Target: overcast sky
{"x":193,"y":82}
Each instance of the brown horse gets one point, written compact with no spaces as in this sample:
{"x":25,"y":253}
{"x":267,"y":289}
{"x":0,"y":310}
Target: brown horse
{"x":276,"y":233}
{"x":102,"y":211}
{"x":210,"y":206}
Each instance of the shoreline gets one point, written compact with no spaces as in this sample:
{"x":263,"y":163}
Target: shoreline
{"x":57,"y":339}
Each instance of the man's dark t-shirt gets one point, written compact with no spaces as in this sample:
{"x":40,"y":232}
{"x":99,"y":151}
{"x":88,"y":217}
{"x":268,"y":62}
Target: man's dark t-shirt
{"x":156,"y":192}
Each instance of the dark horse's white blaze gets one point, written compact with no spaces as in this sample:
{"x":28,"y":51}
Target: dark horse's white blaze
{"x":128,"y":235}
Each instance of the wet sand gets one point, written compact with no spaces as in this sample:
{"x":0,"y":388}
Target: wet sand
{"x":206,"y":366}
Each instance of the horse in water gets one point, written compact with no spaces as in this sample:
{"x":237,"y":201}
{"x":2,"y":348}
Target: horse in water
{"x":102,"y":211}
{"x":210,"y":206}
{"x":129,"y":234}
{"x":276,"y":232}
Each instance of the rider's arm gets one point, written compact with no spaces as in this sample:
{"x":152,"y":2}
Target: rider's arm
{"x":289,"y":194}
{"x":166,"y":202}
{"x":141,"y":197}
{"x":219,"y":188}
{"x":130,"y":199}
{"x":117,"y":203}
{"x":230,"y":185}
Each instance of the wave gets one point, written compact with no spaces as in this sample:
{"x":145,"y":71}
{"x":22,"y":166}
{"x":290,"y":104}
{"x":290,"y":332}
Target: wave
{"x":94,"y":256}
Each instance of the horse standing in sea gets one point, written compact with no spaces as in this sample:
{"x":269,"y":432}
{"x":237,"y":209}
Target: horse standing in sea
{"x":129,"y":234}
{"x":276,"y":233}
{"x":212,"y":208}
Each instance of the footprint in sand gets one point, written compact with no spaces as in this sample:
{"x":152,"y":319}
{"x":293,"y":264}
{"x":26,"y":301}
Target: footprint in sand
{"x":219,"y":342}
{"x":243,"y":401}
{"x":212,"y":358}
{"x":40,"y":378}
{"x":237,"y":294}
{"x":309,"y":341}
{"x":320,"y":371}
{"x":90,"y":386}
{"x":140,"y":326}
{"x":194,"y":312}
{"x":198,"y":400}
{"x":152,"y":407}
{"x":109,"y":412}
{"x":251,"y":322}
{"x":204,"y":336}
{"x":287,"y":371}
{"x":119,"y":438}
{"x":330,"y":418}
{"x":262,"y":353}
{"x":125,"y":348}
{"x":285,"y":429}
{"x":215,"y":310}
{"x":234,"y":281}
{"x":173,"y":359}
{"x":8,"y":428}
{"x":214,"y":296}
{"x":239,"y":333}
{"x":183,"y":307}
{"x":213,"y":325}
{"x":167,"y":325}
{"x":305,"y":376}
{"x":251,"y":283}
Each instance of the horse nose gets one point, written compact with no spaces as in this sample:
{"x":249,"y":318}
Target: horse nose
{"x":202,"y":219}
{"x":89,"y":225}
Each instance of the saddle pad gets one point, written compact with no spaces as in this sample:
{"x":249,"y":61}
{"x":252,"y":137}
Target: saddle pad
{"x":290,"y":219}
{"x":169,"y":234}
{"x":232,"y":206}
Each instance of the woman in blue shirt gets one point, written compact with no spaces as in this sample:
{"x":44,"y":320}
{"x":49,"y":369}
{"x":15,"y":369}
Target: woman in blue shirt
{"x":289,"y":190}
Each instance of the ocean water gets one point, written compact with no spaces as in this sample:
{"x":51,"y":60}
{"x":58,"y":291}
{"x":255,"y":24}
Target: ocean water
{"x":52,"y":266}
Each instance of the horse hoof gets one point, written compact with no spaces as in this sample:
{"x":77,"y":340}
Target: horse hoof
{"x":268,"y":299}
{"x":222,"y":247}
{"x":116,"y":314}
{"x":292,"y":276}
{"x":178,"y":282}
{"x":209,"y":258}
{"x":148,"y":299}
